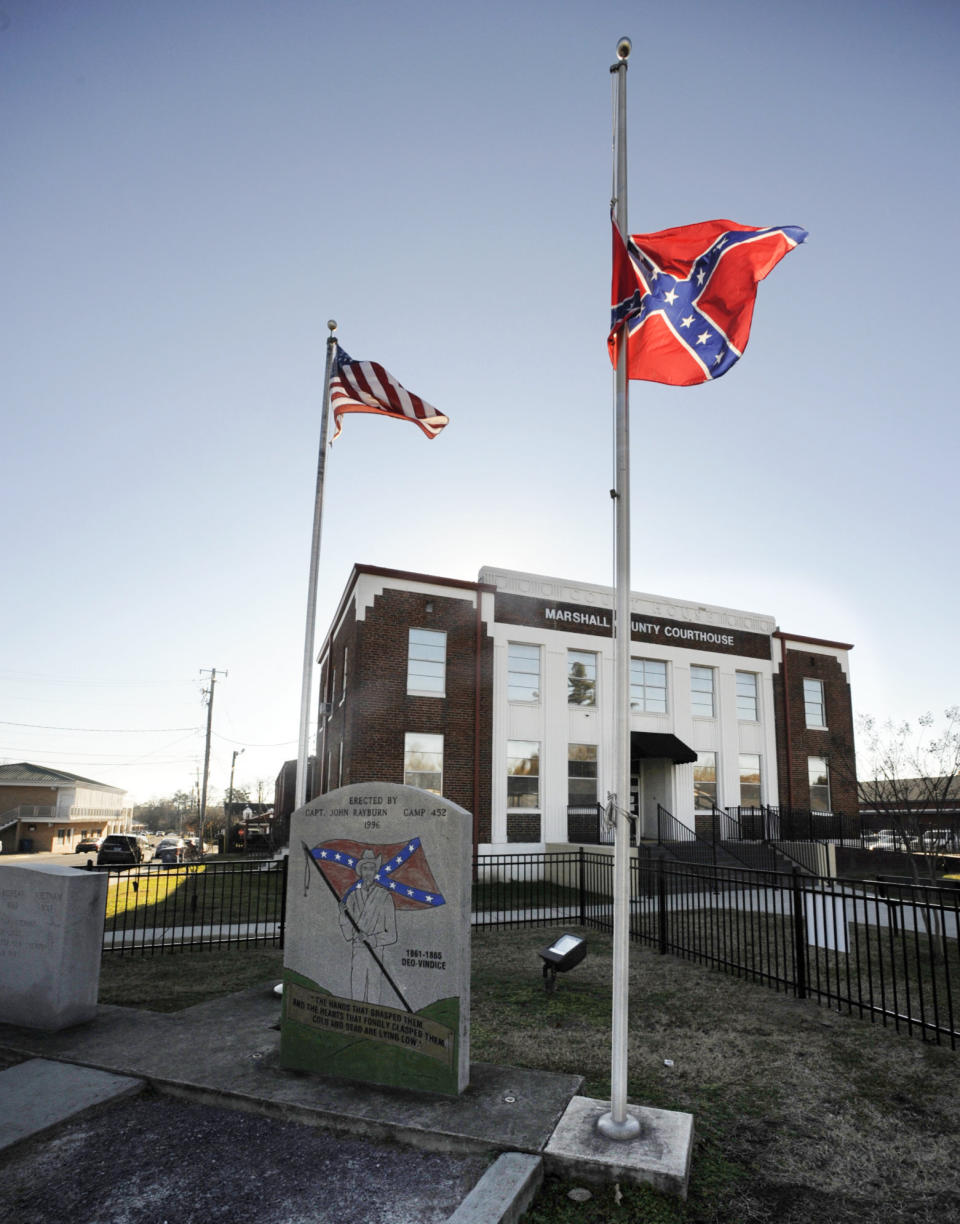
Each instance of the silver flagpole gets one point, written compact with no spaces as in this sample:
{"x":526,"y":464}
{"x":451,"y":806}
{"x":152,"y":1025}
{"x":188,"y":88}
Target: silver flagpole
{"x":618,"y":1124}
{"x":300,"y":792}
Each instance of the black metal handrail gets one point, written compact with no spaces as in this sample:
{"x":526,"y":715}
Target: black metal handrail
{"x":671,"y":831}
{"x":585,"y":824}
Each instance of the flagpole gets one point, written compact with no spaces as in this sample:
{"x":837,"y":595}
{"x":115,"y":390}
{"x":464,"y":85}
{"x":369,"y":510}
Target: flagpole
{"x":618,"y":1124}
{"x":300,"y":791}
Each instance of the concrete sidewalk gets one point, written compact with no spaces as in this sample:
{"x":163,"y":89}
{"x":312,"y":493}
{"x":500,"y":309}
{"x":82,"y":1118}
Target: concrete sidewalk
{"x":326,"y":1148}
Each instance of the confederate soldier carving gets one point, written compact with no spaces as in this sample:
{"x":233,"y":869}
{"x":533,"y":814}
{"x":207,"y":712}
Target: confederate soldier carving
{"x":368,"y":921}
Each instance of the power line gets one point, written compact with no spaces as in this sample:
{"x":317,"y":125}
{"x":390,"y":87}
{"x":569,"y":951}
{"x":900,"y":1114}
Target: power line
{"x":248,"y":744}
{"x":100,"y":730}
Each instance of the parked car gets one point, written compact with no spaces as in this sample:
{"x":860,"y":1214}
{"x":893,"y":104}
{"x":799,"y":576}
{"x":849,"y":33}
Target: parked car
{"x":175,"y":850}
{"x":120,"y":849}
{"x":87,"y":845}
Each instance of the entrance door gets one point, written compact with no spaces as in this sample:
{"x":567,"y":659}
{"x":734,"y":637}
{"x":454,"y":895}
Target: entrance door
{"x":651,"y":790}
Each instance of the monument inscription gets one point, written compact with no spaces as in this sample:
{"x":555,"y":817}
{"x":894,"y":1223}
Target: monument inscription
{"x":377,"y":944}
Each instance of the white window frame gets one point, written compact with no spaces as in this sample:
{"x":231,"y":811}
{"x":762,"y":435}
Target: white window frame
{"x":694,"y":710}
{"x":701,"y":760}
{"x":522,"y":755}
{"x":816,"y":703}
{"x":640,"y":706}
{"x":441,"y":642}
{"x":409,"y":748}
{"x":580,"y":777}
{"x":751,"y":756}
{"x":754,"y":697}
{"x":820,"y":785}
{"x":571,"y":651}
{"x":511,"y":671}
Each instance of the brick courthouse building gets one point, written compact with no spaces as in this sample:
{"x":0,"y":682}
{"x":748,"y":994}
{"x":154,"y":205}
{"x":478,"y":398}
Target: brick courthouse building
{"x":498,"y":694}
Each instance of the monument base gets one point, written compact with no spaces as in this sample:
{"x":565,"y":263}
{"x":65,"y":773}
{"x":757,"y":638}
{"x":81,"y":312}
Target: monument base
{"x":658,"y":1156}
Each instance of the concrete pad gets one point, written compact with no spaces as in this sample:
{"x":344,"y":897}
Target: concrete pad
{"x":503,"y":1193}
{"x":226,"y":1052}
{"x":38,"y":1095}
{"x":659,"y":1156}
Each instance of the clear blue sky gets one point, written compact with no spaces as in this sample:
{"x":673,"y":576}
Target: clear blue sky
{"x":191,"y":190}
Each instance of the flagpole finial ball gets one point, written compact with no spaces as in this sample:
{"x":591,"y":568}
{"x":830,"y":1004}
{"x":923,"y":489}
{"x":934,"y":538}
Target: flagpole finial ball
{"x":624,"y":47}
{"x":332,"y":324}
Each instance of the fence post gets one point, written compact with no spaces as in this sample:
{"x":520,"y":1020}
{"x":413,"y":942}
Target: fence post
{"x":283,"y":905}
{"x":582,"y":882}
{"x":799,"y":935}
{"x":662,"y":906}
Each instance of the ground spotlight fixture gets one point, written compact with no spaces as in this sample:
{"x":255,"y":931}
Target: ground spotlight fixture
{"x":561,"y":955}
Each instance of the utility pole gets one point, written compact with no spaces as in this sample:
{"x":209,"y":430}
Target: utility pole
{"x":229,"y":803}
{"x":206,"y":755}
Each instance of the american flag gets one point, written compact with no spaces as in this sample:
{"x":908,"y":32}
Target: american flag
{"x":686,"y":296}
{"x":365,"y":386}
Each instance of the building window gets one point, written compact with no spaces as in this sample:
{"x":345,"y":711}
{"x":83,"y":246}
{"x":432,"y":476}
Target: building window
{"x":427,"y":662}
{"x":423,"y":761}
{"x":814,"y":708}
{"x":749,"y":779}
{"x":818,"y":772}
{"x":582,"y":775}
{"x":523,"y":672}
{"x":701,"y":692}
{"x":523,"y":774}
{"x":705,"y":782}
{"x":747,"y":696}
{"x":648,"y":686}
{"x":343,"y":687}
{"x":333,"y":693}
{"x":581,"y":678}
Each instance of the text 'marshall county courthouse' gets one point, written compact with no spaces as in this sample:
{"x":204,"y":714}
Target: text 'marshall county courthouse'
{"x":498,"y":694}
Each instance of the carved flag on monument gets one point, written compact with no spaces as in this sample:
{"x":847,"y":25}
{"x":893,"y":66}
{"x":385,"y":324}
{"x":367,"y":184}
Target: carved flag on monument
{"x":686,"y":296}
{"x":402,"y":870}
{"x":377,"y":939}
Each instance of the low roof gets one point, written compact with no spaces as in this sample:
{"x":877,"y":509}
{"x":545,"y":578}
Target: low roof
{"x":25,"y":774}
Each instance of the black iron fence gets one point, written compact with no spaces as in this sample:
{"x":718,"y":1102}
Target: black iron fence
{"x":157,"y":908}
{"x":883,"y":951}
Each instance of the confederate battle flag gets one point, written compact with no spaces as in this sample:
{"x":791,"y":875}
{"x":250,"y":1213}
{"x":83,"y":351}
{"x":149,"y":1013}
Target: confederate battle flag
{"x":684,"y":297}
{"x":403,"y":872}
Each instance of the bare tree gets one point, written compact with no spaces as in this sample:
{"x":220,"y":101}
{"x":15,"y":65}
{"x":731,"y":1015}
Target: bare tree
{"x":910,"y":776}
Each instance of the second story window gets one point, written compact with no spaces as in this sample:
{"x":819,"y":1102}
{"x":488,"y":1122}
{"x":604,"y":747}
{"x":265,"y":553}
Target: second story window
{"x":523,"y":672}
{"x":427,"y":663}
{"x":648,"y":686}
{"x":701,"y":692}
{"x":581,"y":678}
{"x":747,"y":705}
{"x":814,"y":709}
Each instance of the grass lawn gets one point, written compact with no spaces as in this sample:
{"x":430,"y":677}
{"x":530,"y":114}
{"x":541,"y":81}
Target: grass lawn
{"x":199,"y":893}
{"x":800,"y":1113}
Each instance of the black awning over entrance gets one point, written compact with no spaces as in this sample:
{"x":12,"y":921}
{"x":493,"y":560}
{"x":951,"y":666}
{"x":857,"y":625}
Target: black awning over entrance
{"x":656,"y":745}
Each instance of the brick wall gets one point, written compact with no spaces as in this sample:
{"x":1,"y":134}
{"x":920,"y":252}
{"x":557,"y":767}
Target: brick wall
{"x":35,"y":796}
{"x":377,"y":711}
{"x":834,"y":742}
